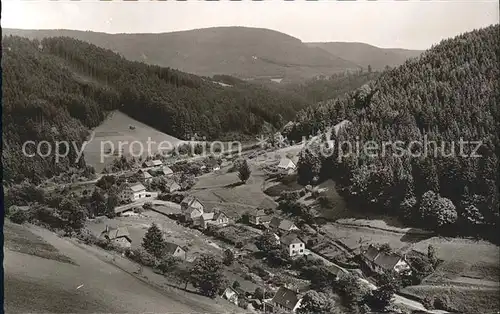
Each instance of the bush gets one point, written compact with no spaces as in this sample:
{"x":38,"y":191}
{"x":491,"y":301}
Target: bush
{"x":243,"y":303}
{"x":142,"y":257}
{"x":19,"y":216}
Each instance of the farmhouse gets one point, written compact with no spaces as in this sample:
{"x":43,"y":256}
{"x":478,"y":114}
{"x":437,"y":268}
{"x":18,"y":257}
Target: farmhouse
{"x":175,"y":250}
{"x":171,"y":186}
{"x":216,"y":218}
{"x":166,"y":171}
{"x":118,"y":236}
{"x":341,"y":126}
{"x":231,"y":295}
{"x":283,"y":225}
{"x":293,"y":245}
{"x":145,"y":176}
{"x":258,"y":217}
{"x":191,"y":201}
{"x":132,"y":192}
{"x":286,"y":299}
{"x":379,"y":261}
{"x":152,"y":163}
{"x":287,"y":164}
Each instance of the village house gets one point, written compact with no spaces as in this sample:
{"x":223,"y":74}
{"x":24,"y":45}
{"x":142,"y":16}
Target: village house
{"x":191,"y":208}
{"x":293,"y":245}
{"x":171,"y":186}
{"x":283,"y":225}
{"x":258,"y":217}
{"x":215,"y":218}
{"x":175,"y":250}
{"x":118,"y":236}
{"x":132,"y":192}
{"x":145,"y":177}
{"x":230,"y":295}
{"x":152,"y":163}
{"x":285,"y":299}
{"x":379,"y":261}
{"x":287,"y":164}
{"x":166,"y":171}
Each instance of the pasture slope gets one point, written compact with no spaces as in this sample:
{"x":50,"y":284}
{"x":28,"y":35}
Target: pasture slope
{"x":34,"y":284}
{"x":120,"y":128}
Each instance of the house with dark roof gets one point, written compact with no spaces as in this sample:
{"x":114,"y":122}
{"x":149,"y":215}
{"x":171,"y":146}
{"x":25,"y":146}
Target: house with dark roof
{"x":379,"y":261}
{"x":293,"y":245}
{"x":175,"y":250}
{"x":145,"y":176}
{"x":118,"y":236}
{"x":171,"y":186}
{"x":258,"y":217}
{"x":231,"y":295}
{"x":283,"y":225}
{"x":287,"y":164}
{"x":286,"y":299}
{"x":192,"y":208}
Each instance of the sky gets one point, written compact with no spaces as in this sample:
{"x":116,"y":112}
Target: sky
{"x":412,"y":24}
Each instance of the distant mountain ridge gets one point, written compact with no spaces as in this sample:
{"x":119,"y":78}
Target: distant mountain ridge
{"x":367,"y":55}
{"x":243,"y":52}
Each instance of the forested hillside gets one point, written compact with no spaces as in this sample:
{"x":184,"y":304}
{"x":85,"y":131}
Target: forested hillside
{"x":367,"y":55}
{"x":450,"y":92}
{"x":243,"y":52}
{"x":58,"y":88}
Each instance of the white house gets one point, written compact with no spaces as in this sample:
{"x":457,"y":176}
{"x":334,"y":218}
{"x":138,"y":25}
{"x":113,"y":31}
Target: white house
{"x":379,"y":261}
{"x":286,"y":299}
{"x":133,"y":192}
{"x":166,"y":171}
{"x":175,"y":250}
{"x":293,"y":245}
{"x":216,"y":218}
{"x":287,"y":164}
{"x":231,"y":295}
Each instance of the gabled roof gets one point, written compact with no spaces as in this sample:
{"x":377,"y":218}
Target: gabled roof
{"x":207,"y":216}
{"x":115,"y":233}
{"x":153,"y":163}
{"x":166,"y":170}
{"x":286,"y":298}
{"x":286,"y":163}
{"x":137,"y":187}
{"x":220,"y":214}
{"x":283,"y":224}
{"x":290,"y":239}
{"x":171,"y":247}
{"x":171,"y":183}
{"x":188,"y":199}
{"x":146,"y":175}
{"x":382,"y":259}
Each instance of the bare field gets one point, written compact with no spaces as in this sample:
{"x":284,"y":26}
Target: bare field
{"x":117,"y":128}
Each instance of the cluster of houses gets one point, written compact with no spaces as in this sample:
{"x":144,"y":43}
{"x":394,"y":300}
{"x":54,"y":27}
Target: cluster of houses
{"x":285,"y":299}
{"x":195,"y":212}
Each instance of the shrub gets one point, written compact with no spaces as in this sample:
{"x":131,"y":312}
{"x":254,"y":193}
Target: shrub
{"x":142,"y":257}
{"x":19,"y":216}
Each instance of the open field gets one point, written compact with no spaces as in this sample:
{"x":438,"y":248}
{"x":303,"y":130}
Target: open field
{"x":19,"y":239}
{"x":463,"y":300}
{"x":116,"y":128}
{"x":38,"y":285}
